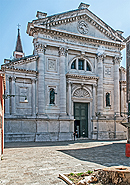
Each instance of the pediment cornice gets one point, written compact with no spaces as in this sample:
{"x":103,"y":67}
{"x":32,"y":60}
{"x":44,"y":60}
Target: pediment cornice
{"x":65,"y":34}
{"x":78,"y":14}
{"x":23,"y":60}
{"x":8,"y":68}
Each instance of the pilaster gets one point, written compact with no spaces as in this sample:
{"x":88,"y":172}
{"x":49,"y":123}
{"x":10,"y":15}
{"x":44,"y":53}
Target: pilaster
{"x":33,"y":97}
{"x":41,"y":48}
{"x":100,"y":59}
{"x":13,"y":98}
{"x":69,"y":98}
{"x":7,"y":102}
{"x":62,"y":57}
{"x":116,"y":62}
{"x":94,"y":100}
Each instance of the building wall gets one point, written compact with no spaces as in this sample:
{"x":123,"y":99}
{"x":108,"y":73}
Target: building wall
{"x":56,"y":46}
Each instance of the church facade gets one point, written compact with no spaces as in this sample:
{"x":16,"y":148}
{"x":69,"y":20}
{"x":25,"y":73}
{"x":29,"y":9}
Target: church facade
{"x":72,"y":82}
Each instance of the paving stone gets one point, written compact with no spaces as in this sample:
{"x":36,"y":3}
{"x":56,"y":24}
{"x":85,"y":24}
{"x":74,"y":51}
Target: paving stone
{"x":40,"y":163}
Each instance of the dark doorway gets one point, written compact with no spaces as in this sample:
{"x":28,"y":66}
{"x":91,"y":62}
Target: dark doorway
{"x":81,"y":118}
{"x":77,"y":128}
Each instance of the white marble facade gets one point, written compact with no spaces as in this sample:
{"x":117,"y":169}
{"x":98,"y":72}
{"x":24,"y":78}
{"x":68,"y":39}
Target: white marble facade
{"x":77,"y":56}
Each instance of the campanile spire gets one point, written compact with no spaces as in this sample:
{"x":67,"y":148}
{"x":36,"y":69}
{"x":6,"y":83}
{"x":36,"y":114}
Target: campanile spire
{"x":18,"y":53}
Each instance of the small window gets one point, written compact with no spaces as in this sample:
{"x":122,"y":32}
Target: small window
{"x":73,"y":65}
{"x":88,"y":67}
{"x":81,"y":64}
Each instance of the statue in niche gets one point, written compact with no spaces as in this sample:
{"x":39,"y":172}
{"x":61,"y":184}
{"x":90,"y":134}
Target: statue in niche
{"x":52,"y":96}
{"x":108,"y":99}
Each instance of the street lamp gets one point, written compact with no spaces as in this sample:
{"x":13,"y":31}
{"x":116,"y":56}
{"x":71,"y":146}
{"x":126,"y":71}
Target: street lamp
{"x":5,"y":96}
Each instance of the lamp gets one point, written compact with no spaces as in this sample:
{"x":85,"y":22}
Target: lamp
{"x":5,"y":96}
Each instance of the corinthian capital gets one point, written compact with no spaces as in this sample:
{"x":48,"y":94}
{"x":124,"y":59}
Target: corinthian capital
{"x":63,"y":51}
{"x":117,"y":59}
{"x":100,"y":57}
{"x":40,"y":47}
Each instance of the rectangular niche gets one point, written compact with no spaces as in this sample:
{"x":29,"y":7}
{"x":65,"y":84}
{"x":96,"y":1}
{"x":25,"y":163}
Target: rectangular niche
{"x":23,"y":91}
{"x":52,"y":65}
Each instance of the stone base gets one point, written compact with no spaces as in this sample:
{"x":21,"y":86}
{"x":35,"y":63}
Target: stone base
{"x":24,"y":130}
{"x":108,"y":129}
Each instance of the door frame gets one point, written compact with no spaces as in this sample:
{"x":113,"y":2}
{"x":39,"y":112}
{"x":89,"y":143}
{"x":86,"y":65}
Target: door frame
{"x":89,"y":101}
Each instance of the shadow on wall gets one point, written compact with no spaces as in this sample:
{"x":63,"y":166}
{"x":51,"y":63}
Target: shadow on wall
{"x":108,"y":155}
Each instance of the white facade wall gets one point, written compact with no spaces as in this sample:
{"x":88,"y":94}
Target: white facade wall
{"x":56,"y":46}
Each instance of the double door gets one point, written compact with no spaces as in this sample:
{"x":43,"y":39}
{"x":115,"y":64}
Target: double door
{"x":81,"y":119}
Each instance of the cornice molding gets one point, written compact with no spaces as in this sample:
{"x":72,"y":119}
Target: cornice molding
{"x":81,"y":77}
{"x":23,"y":60}
{"x":6,"y":68}
{"x":80,"y":37}
{"x":78,"y":14}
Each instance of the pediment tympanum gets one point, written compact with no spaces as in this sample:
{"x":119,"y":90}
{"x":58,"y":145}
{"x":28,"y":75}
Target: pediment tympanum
{"x":81,"y":93}
{"x":80,"y":21}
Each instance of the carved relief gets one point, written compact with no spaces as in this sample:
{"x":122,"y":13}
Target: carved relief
{"x":52,"y":64}
{"x":83,"y":27}
{"x":82,"y":93}
{"x":62,"y":51}
{"x":108,"y":71}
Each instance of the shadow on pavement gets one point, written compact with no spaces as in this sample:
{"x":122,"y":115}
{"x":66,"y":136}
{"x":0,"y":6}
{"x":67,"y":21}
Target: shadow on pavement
{"x":44,"y":143}
{"x":106,"y":155}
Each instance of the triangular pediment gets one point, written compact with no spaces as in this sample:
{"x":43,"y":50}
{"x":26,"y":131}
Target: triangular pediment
{"x":79,"y":21}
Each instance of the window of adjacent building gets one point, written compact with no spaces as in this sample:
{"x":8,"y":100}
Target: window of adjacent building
{"x":81,"y":64}
{"x":73,"y":65}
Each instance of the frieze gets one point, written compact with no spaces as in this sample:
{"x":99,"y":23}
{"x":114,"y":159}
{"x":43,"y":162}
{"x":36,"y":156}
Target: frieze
{"x":78,"y":40}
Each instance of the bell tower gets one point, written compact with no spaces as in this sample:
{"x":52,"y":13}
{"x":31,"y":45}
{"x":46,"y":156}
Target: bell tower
{"x":18,"y":53}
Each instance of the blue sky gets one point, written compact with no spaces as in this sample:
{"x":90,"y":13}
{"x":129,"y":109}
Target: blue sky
{"x":116,"y":13}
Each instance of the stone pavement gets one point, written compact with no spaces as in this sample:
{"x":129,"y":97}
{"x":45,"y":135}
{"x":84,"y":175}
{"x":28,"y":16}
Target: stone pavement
{"x":40,"y":163}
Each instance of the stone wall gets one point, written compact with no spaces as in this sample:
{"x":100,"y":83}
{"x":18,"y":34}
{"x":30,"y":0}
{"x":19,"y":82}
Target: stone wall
{"x":108,"y":129}
{"x":38,"y":130}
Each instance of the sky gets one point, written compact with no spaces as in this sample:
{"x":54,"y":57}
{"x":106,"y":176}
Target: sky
{"x":116,"y":13}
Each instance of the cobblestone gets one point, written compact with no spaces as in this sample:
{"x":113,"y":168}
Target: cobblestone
{"x":40,"y":163}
